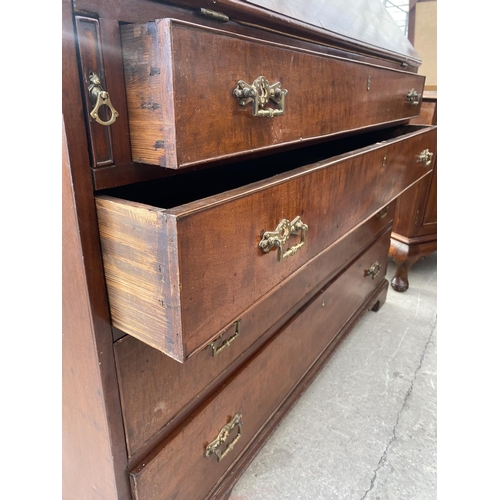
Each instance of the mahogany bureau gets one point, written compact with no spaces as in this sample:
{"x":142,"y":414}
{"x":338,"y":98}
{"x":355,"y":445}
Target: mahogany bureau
{"x":230,"y":177}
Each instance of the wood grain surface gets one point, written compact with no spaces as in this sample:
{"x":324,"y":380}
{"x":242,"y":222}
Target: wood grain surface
{"x":178,"y":277}
{"x":179,"y":469}
{"x":156,"y":391}
{"x":182,"y":113}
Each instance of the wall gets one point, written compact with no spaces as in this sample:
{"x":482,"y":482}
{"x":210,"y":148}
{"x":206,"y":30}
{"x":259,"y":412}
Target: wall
{"x":425,"y":39}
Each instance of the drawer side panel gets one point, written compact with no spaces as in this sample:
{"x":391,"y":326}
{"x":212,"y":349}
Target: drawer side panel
{"x":148,"y":80}
{"x":139,"y":249}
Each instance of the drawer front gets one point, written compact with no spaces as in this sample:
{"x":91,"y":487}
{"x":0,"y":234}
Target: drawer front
{"x":155,"y":390}
{"x":180,"y":79}
{"x":177,"y":278}
{"x":184,"y":467}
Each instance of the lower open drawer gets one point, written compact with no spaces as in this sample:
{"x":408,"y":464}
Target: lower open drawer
{"x":186,"y":256}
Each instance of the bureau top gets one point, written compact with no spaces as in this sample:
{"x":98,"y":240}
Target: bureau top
{"x":362,"y":25}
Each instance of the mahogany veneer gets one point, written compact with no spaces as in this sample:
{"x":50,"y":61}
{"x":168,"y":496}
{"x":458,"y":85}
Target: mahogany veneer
{"x":188,"y":334}
{"x":182,"y":113}
{"x":166,"y":299}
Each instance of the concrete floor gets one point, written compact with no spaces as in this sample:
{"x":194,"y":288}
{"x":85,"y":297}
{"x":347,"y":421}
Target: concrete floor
{"x":366,"y":427}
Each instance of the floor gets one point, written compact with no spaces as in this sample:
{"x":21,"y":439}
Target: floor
{"x":366,"y":427}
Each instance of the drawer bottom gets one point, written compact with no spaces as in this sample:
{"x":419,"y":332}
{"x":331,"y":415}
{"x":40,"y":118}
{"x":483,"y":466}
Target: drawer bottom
{"x":205,"y":455}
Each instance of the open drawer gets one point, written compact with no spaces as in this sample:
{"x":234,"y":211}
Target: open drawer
{"x":185,"y":257}
{"x":198,"y":94}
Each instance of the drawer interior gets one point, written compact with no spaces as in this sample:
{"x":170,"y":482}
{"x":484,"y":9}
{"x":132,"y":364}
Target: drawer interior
{"x":185,"y":187}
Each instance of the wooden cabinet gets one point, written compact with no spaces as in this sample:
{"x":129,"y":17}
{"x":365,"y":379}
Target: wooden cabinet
{"x":232,"y":179}
{"x":415,"y":224}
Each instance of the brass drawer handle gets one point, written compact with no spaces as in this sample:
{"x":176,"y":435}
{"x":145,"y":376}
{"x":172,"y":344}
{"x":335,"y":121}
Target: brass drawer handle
{"x":374,"y":270}
{"x":216,"y":446}
{"x":259,"y":93}
{"x":99,"y":97}
{"x":280,"y":235}
{"x":425,"y":157}
{"x":413,"y":97}
{"x":217,"y":349}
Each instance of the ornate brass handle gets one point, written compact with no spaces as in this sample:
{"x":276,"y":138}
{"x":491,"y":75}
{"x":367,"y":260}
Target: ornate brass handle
{"x":99,"y":97}
{"x":216,"y":446}
{"x":259,"y":93}
{"x":226,"y":343}
{"x":413,"y":97}
{"x":374,"y":270}
{"x":425,"y":157}
{"x":280,"y":235}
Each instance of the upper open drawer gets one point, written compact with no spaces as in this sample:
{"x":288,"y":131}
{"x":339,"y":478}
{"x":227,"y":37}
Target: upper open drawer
{"x":185,"y":257}
{"x":198,"y":94}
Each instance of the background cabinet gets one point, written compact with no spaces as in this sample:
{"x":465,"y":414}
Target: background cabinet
{"x":415,"y":224}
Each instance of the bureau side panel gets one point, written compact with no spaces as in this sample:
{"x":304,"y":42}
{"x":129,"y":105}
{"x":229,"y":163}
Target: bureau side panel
{"x":87,"y":462}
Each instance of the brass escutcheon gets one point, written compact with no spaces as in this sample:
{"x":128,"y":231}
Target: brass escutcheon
{"x":259,"y":93}
{"x":280,"y":235}
{"x":99,"y":97}
{"x":216,"y":349}
{"x":374,"y":270}
{"x":216,"y":446}
{"x":425,"y":157}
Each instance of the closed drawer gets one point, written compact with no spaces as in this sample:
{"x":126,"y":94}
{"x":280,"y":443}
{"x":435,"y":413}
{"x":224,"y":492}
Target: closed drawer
{"x":184,"y":467}
{"x":181,"y":77}
{"x":156,"y":391}
{"x":178,"y":276}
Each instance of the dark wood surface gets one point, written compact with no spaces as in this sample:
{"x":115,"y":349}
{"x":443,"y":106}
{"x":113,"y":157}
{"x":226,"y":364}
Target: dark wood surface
{"x":144,"y":266}
{"x":96,"y":461}
{"x":222,"y":490}
{"x":179,"y":97}
{"x":94,"y":451}
{"x":415,"y":222}
{"x":83,"y":414}
{"x":107,"y":15}
{"x":157,"y":392}
{"x":89,"y":45}
{"x":179,"y":469}
{"x":405,"y":255}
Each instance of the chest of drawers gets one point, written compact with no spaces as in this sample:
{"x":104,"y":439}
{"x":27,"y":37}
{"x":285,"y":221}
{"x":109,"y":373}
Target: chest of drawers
{"x":230,"y":185}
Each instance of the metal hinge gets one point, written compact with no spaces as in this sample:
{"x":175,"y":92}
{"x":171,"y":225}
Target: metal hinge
{"x":212,"y":14}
